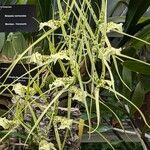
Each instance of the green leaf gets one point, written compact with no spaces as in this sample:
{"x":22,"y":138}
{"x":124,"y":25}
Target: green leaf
{"x":14,"y":45}
{"x":144,"y":35}
{"x":7,"y":2}
{"x":84,"y":116}
{"x":116,"y":7}
{"x":21,"y":1}
{"x":137,"y":67}
{"x":145,"y":79}
{"x":46,"y":9}
{"x":2,"y":39}
{"x":104,"y":128}
{"x":96,"y":4}
{"x":135,"y":12}
{"x":32,"y":2}
{"x":127,"y":76}
{"x":137,"y":97}
{"x":131,"y":51}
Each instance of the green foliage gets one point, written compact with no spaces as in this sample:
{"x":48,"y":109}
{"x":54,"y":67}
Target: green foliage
{"x":143,"y":34}
{"x":137,"y":67}
{"x":137,"y":97}
{"x":14,"y":45}
{"x":6,"y":2}
{"x":2,"y":37}
{"x":104,"y":146}
{"x":134,"y":13}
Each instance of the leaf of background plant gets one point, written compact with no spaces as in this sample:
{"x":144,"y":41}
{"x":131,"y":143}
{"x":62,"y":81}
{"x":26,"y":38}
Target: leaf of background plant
{"x":137,"y":97}
{"x":137,"y":67}
{"x":2,"y":39}
{"x":18,"y":135}
{"x":127,"y":78}
{"x":3,"y":133}
{"x":111,"y":6}
{"x":32,"y":1}
{"x":104,"y":128}
{"x":15,"y":44}
{"x":135,"y":11}
{"x":145,"y":79}
{"x":46,"y":8}
{"x":147,"y":13}
{"x":144,"y":35}
{"x":85,"y":117}
{"x":7,"y":2}
{"x":116,"y":7}
{"x":131,"y":51}
{"x":7,"y":50}
{"x":96,"y":4}
{"x":21,"y":1}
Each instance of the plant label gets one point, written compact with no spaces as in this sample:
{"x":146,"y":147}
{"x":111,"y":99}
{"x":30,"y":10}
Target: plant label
{"x":15,"y":18}
{"x":21,"y":73}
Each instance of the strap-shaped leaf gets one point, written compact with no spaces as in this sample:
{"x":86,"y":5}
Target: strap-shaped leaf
{"x":138,"y":97}
{"x":46,"y":9}
{"x":135,"y":10}
{"x":2,"y":37}
{"x":137,"y":67}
